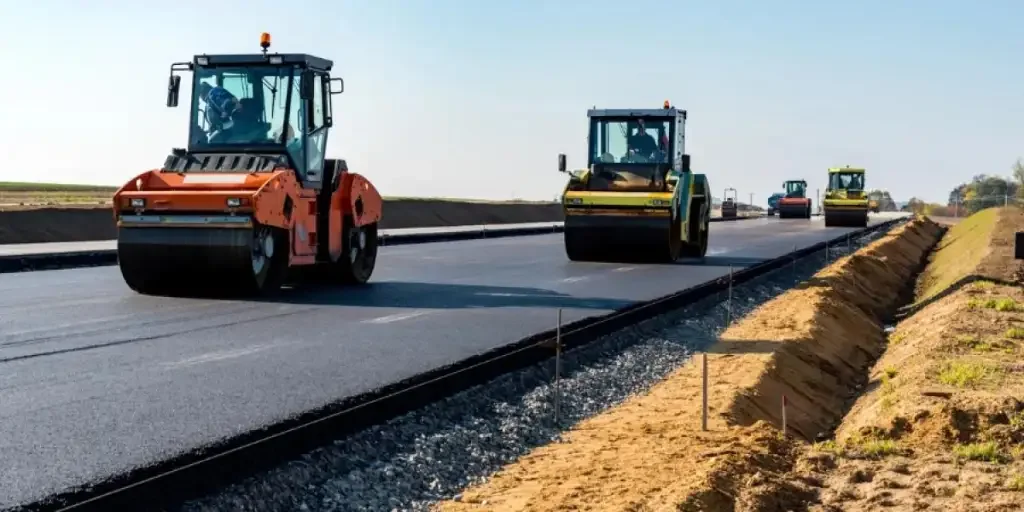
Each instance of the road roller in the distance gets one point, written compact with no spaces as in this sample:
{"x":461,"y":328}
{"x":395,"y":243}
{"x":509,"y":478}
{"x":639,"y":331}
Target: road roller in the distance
{"x":251,"y":202}
{"x":638,"y":199}
{"x":794,"y":203}
{"x":846,"y":201}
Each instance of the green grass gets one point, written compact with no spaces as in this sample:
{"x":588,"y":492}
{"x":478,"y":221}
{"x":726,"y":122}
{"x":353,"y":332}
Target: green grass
{"x":879,"y":447}
{"x":964,"y":374}
{"x":988,"y":452}
{"x":1004,"y":304}
{"x":1015,"y":483}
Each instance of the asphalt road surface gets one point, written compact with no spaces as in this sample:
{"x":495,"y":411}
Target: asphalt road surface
{"x":95,"y":379}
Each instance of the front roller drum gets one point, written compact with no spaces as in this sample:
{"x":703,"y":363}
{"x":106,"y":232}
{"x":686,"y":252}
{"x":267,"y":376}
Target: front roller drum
{"x":203,"y":261}
{"x":622,"y":238}
{"x":795,"y":211}
{"x":846,"y":218}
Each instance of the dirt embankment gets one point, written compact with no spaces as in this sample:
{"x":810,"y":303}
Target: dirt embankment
{"x":75,"y":224}
{"x":813,"y":345}
{"x":941,"y":423}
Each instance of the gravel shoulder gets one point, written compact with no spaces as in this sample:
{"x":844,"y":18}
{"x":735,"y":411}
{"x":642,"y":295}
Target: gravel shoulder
{"x":812,"y":345}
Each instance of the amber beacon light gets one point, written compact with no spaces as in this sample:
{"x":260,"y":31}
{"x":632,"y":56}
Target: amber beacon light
{"x":265,"y":41}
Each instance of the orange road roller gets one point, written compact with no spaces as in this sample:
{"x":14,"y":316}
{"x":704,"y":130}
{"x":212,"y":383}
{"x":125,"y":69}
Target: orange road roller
{"x":251,"y":203}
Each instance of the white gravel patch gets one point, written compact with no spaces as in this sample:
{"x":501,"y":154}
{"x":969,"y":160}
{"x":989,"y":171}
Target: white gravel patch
{"x":434,"y":453}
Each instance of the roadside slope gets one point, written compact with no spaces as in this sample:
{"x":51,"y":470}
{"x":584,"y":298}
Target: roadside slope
{"x":941,"y":423}
{"x":812,"y":344}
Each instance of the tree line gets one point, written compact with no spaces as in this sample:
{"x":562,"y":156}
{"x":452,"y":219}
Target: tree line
{"x":983,"y":191}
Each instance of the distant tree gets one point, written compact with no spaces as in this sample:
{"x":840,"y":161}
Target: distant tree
{"x":915,"y":205}
{"x":1018,"y":175}
{"x":984,"y":191}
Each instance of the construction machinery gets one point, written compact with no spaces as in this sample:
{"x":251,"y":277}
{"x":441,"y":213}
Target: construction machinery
{"x":730,"y":208}
{"x":795,"y":203}
{"x":773,"y":203}
{"x":846,"y":202}
{"x":638,"y":198}
{"x":251,"y":202}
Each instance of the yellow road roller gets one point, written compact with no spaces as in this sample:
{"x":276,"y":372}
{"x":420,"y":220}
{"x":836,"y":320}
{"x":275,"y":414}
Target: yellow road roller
{"x":846,"y":200}
{"x":637,"y":199}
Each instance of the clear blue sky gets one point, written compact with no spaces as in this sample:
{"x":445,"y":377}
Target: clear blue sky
{"x":469,"y":98}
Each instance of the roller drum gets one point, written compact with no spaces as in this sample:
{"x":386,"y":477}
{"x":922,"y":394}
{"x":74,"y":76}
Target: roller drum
{"x":195,"y":260}
{"x":794,"y":210}
{"x":846,"y":217}
{"x":621,"y":238}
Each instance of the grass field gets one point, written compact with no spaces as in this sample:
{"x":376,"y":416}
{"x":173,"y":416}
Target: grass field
{"x":15,"y":193}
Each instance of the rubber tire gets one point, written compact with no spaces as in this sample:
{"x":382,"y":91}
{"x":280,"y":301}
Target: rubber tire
{"x":269,"y":281}
{"x":346,"y":271}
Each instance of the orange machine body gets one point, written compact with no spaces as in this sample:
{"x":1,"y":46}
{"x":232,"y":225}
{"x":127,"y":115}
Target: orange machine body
{"x":794,"y":201}
{"x":277,"y":199}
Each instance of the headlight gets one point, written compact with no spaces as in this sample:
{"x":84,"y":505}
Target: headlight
{"x":234,"y":202}
{"x":138,"y":202}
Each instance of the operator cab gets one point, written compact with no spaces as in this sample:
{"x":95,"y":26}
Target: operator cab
{"x":795,"y":188}
{"x":635,"y":149}
{"x":846,"y":179}
{"x":256,"y":113}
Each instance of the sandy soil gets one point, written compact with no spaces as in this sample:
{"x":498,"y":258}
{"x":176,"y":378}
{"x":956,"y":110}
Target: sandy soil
{"x":941,"y":423}
{"x":812,"y":345}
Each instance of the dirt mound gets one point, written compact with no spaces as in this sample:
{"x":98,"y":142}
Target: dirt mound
{"x":941,"y":423}
{"x":830,"y":330}
{"x":70,"y":224}
{"x":812,"y":345}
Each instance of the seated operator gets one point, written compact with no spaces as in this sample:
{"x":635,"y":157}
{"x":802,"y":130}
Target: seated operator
{"x":221,"y":105}
{"x":642,"y":142}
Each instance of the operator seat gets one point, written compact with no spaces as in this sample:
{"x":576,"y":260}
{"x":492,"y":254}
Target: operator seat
{"x":247,"y":121}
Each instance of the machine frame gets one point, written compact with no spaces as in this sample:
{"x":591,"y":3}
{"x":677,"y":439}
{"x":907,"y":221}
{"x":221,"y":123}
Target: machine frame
{"x":663,"y":221}
{"x":846,"y":206}
{"x":730,"y":205}
{"x":214,"y":206}
{"x":795,"y":203}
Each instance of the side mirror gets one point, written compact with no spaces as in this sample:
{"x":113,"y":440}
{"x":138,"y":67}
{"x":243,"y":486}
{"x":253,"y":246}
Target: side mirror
{"x":173,"y":86}
{"x":686,"y":162}
{"x":561,"y":162}
{"x":337,"y":86}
